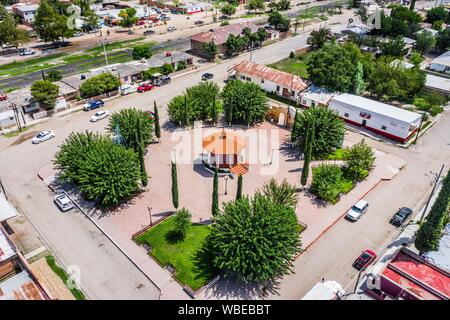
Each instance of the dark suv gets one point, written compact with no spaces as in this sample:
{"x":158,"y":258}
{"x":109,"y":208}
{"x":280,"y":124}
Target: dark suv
{"x":162,"y":81}
{"x":401,"y":216}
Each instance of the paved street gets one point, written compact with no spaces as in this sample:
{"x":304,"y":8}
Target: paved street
{"x":108,"y":274}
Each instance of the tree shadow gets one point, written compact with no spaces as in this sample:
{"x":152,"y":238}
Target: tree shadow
{"x":288,"y":151}
{"x":174,"y":237}
{"x":200,"y":169}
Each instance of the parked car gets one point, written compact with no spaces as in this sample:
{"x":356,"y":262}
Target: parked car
{"x":140,"y":23}
{"x":357,"y":210}
{"x":99,"y":115}
{"x":63,"y":202}
{"x":149,"y":32}
{"x":171,"y":28}
{"x":3,"y":96}
{"x":26,"y":52}
{"x":401,"y":216}
{"x":93,"y":104}
{"x":207,"y":76}
{"x":145,"y":87}
{"x":198,"y":22}
{"x":363,"y":261}
{"x":162,"y":81}
{"x":165,"y":18}
{"x":43,"y":136}
{"x":78,"y":34}
{"x":166,"y":10}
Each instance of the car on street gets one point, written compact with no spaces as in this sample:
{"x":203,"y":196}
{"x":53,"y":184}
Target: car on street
{"x":162,"y":81}
{"x":93,"y":104}
{"x":363,"y":261}
{"x":63,"y":202}
{"x":171,"y":28}
{"x":207,"y":76}
{"x":400,"y":216}
{"x":149,"y":32}
{"x":43,"y":136}
{"x":145,"y":87}
{"x":198,"y":22}
{"x":99,"y":115}
{"x":140,"y":23}
{"x":165,"y":18}
{"x":357,"y":210}
{"x":26,"y":52}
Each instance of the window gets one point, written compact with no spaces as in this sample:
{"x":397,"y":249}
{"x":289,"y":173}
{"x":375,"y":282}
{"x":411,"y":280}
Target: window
{"x":346,"y":115}
{"x":262,"y":80}
{"x":278,"y":88}
{"x":383,"y":128}
{"x":364,"y":115}
{"x":249,"y":79}
{"x":242,"y":77}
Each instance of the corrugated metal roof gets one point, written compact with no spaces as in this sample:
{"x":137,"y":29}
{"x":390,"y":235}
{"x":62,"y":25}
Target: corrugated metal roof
{"x":20,"y":287}
{"x":220,"y":35}
{"x":6,"y":249}
{"x":7,"y":211}
{"x":437,"y":82}
{"x":279,"y":77}
{"x":375,"y":107}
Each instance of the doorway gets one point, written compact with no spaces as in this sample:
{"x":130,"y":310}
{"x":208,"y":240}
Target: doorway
{"x":364,"y":122}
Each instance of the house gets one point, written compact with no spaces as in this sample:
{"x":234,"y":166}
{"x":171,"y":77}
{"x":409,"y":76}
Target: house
{"x":26,"y":13}
{"x":357,"y":30}
{"x":439,"y":85}
{"x":409,"y":277}
{"x":218,"y":36}
{"x":191,"y":8}
{"x":170,"y":57}
{"x":271,"y":80}
{"x":315,"y":96}
{"x":7,"y":119}
{"x":17,"y":281}
{"x":440,"y":64}
{"x":389,"y":121}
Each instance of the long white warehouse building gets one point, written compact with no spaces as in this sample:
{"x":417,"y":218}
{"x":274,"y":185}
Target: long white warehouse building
{"x":392,"y":122}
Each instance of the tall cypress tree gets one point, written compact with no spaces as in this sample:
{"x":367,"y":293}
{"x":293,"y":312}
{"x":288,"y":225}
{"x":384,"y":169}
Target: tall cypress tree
{"x":139,"y":148}
{"x":174,"y":186}
{"x":186,"y":111}
{"x":214,"y":111}
{"x":157,"y":126}
{"x":215,"y":194}
{"x":308,"y":153}
{"x":239,"y":187}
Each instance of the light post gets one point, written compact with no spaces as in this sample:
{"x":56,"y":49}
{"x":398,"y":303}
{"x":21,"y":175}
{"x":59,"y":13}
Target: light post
{"x":150,"y":214}
{"x":431,"y":195}
{"x":104,"y":51}
{"x":226,"y":185}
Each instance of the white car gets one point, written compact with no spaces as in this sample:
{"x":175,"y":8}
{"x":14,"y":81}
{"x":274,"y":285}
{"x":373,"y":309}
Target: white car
{"x":357,"y":210}
{"x":26,"y":52}
{"x":63,"y":202}
{"x":99,"y":115}
{"x":43,"y":136}
{"x":171,"y":29}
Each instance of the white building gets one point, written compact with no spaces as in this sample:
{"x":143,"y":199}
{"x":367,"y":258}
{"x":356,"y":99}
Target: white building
{"x":439,"y":85}
{"x":271,"y":80}
{"x":328,"y":290}
{"x":7,"y":119}
{"x":192,"y":8}
{"x":441,"y":63}
{"x":27,"y":13}
{"x":315,"y":96}
{"x":392,"y":122}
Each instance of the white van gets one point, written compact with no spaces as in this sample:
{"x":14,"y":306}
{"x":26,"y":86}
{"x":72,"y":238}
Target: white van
{"x":127,"y":89}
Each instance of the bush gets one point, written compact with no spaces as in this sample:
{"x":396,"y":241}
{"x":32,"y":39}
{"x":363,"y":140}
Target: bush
{"x":326,"y":182}
{"x":103,"y":171}
{"x":181,"y":65}
{"x":360,"y":161}
{"x":100,"y":84}
{"x":167,"y":68}
{"x":182,"y":221}
{"x":45,"y":93}
{"x":141,"y":51}
{"x":54,"y":75}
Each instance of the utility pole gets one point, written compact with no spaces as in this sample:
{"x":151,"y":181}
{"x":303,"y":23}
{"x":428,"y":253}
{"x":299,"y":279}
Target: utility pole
{"x":251,"y":52}
{"x":104,"y":51}
{"x":304,"y":20}
{"x":431,"y":195}
{"x":420,"y":127}
{"x":3,"y":189}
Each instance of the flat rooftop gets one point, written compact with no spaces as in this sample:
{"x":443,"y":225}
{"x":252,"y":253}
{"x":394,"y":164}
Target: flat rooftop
{"x":6,"y":249}
{"x":376,"y":107}
{"x":20,"y":287}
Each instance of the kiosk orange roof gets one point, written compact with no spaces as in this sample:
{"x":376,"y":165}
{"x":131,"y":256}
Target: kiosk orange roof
{"x":223,"y":143}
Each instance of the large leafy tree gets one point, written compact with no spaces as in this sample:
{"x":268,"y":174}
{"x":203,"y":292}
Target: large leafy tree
{"x":141,"y":51}
{"x":443,"y":40}
{"x":326,"y":181}
{"x":318,"y":38}
{"x":211,"y":49}
{"x":244,"y":102}
{"x":45,"y":93}
{"x":309,"y":141}
{"x":136,"y":127}
{"x":49,"y":24}
{"x":96,"y":85}
{"x":182,"y":222}
{"x":228,"y":9}
{"x":425,"y":41}
{"x":279,"y":22}
{"x":430,"y":232}
{"x":255,"y":239}
{"x":280,"y":193}
{"x":438,"y":14}
{"x":256,"y":5}
{"x":393,"y":47}
{"x":103,"y":171}
{"x":360,"y":161}
{"x":128,"y":17}
{"x":196,"y":103}
{"x":10,"y":34}
{"x":328,"y":130}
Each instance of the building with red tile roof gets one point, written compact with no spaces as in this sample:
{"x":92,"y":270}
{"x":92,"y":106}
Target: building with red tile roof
{"x":271,"y":80}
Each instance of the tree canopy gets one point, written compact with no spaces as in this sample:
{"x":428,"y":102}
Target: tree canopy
{"x":45,"y":93}
{"x":244,"y":102}
{"x":103,"y":171}
{"x":49,"y":24}
{"x":96,"y":85}
{"x":128,"y":17}
{"x":328,"y":130}
{"x":279,"y":22}
{"x":360,"y":161}
{"x":10,"y":34}
{"x":254,"y":238}
{"x":318,"y":38}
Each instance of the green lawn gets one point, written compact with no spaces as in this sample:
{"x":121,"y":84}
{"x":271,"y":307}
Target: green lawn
{"x":338,"y":154}
{"x":179,"y":254}
{"x":117,"y":45}
{"x":295,"y":65}
{"x":64,"y":277}
{"x":28,"y":66}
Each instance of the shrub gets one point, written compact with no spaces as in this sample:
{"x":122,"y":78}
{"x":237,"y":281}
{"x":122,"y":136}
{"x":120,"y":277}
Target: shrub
{"x":359,"y":162}
{"x":167,"y":68}
{"x":54,"y":75}
{"x":100,"y":84}
{"x":182,"y":221}
{"x":326,"y":182}
{"x":141,"y":51}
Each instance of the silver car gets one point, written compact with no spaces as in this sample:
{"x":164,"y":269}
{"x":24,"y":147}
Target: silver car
{"x":43,"y":136}
{"x":63,"y":202}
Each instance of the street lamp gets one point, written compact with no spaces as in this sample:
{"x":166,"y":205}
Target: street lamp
{"x":226,"y":185}
{"x":150,"y":214}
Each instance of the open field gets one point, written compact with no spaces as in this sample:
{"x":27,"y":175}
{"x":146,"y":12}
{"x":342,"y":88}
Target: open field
{"x":295,"y":65}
